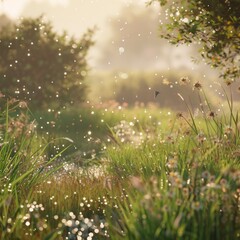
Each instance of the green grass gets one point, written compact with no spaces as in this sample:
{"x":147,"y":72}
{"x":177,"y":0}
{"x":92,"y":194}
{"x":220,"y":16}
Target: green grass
{"x":132,"y":173}
{"x":89,"y":127}
{"x":178,"y":191}
{"x":183,"y":186}
{"x":22,"y":167}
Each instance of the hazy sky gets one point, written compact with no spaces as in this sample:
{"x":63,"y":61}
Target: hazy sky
{"x":75,"y":16}
{"x":72,"y":15}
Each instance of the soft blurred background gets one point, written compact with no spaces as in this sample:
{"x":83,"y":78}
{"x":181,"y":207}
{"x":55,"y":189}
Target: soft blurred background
{"x":128,"y":61}
{"x":125,"y":66}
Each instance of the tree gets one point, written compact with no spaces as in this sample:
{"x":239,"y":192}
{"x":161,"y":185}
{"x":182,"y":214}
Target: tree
{"x":41,"y":66}
{"x":134,"y":44}
{"x":214,"y":24}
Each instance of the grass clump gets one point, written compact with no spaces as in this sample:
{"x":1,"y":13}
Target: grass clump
{"x":157,"y":175}
{"x":184,"y":184}
{"x":23,"y":166}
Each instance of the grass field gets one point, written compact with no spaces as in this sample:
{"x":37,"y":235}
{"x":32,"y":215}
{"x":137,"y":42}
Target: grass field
{"x":114,"y":172}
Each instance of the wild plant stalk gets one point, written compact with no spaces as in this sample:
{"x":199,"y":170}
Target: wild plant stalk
{"x":193,"y":192}
{"x":21,"y":169}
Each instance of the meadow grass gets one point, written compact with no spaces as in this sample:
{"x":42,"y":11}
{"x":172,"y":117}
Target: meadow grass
{"x":22,"y":167}
{"x":179,"y":191}
{"x":139,"y":173}
{"x":184,"y":186}
{"x":88,"y":127}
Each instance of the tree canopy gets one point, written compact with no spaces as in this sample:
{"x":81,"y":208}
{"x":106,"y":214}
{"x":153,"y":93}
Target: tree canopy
{"x":214,"y":25}
{"x":43,"y":67}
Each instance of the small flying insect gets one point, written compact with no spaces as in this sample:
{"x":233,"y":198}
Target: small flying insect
{"x":156,"y":94}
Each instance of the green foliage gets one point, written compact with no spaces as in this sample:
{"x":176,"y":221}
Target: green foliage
{"x":89,"y":128}
{"x":197,"y":205}
{"x":183,"y":186}
{"x":160,"y":175}
{"x":41,"y":66}
{"x":212,"y":24}
{"x":23,"y":165}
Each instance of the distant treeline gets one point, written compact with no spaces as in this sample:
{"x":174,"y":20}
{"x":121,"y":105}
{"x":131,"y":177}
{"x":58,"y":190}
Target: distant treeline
{"x":139,"y":88}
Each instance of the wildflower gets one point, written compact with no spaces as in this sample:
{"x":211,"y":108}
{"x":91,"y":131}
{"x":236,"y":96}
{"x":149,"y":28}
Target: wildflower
{"x":201,"y":137}
{"x":184,"y":80}
{"x":175,"y":179}
{"x":178,"y":202}
{"x":22,"y":104}
{"x":228,"y":130}
{"x":172,"y":163}
{"x":165,"y":208}
{"x":173,"y":174}
{"x":229,"y":82}
{"x":211,"y":114}
{"x":187,"y":131}
{"x":223,"y":182}
{"x":197,"y":85}
{"x":179,"y":115}
{"x":196,"y":205}
{"x":212,"y":178}
{"x":217,"y":141}
{"x":185,"y":192}
{"x":170,"y":139}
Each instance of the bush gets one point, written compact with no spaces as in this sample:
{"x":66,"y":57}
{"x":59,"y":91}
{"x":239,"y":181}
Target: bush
{"x":41,"y":66}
